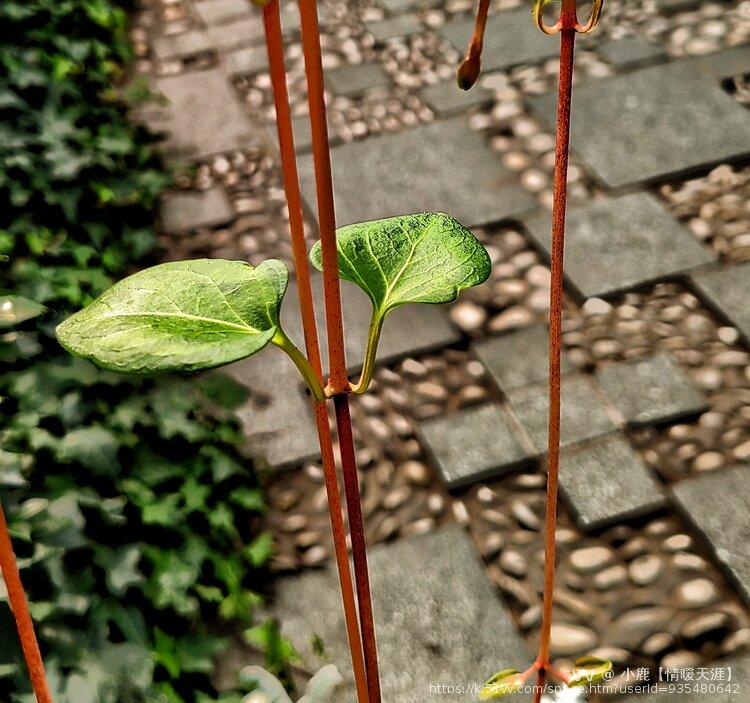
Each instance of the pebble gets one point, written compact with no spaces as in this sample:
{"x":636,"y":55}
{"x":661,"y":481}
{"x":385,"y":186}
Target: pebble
{"x":492,"y":544}
{"x":525,"y":515}
{"x":568,"y":640}
{"x":704,"y":624}
{"x":315,"y":555}
{"x":416,"y":472}
{"x":397,"y":498}
{"x":677,"y":543}
{"x":531,"y":617}
{"x":468,"y":316}
{"x":611,"y":577}
{"x":460,"y":512}
{"x":681,"y":659}
{"x":708,"y":461}
{"x":513,"y":562}
{"x":696,"y":593}
{"x":645,"y":570}
{"x":657,"y":643}
{"x":590,"y":559}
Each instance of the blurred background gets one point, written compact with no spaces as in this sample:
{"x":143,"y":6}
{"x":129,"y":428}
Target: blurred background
{"x":171,"y":531}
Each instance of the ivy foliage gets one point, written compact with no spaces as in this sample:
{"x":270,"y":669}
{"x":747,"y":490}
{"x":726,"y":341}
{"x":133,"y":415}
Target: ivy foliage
{"x":134,"y":520}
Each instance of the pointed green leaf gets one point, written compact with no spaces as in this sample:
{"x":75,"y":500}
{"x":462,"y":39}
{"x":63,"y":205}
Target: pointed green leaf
{"x":589,"y":669}
{"x":179,"y":317}
{"x":422,"y":258}
{"x":501,"y":684}
{"x":15,"y":309}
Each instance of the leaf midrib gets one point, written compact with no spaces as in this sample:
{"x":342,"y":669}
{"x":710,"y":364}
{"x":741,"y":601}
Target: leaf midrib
{"x":246,"y":329}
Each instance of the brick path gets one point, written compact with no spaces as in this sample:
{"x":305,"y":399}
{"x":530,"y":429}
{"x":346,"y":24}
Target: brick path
{"x":654,"y":536}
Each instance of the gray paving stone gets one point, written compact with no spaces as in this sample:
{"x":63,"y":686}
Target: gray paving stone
{"x":356,"y":78}
{"x":737,"y":668}
{"x":244,"y":62}
{"x":428,"y":168}
{"x":652,"y":124}
{"x":181,"y":212}
{"x":393,"y":27}
{"x":203,"y":116}
{"x":437,"y":617}
{"x":517,"y":358}
{"x":606,"y":482}
{"x":181,"y":45}
{"x":241,"y":32}
{"x":472,"y":444}
{"x":277,"y":420}
{"x":630,"y":51}
{"x":448,"y":99}
{"x":619,"y":243}
{"x":396,"y":6}
{"x":584,"y":414}
{"x":511,"y":39}
{"x":651,"y":391}
{"x":727,"y":289}
{"x":216,"y":12}
{"x":677,"y":5}
{"x":717,"y":504}
{"x":727,"y":63}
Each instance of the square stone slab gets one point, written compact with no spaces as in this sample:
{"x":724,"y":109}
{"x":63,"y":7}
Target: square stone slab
{"x":438,"y":619}
{"x":716,"y":504}
{"x":448,"y":99}
{"x":215,"y":12}
{"x":517,"y":358}
{"x":630,"y":51}
{"x":653,"y":124}
{"x":241,"y":32}
{"x":606,"y":482}
{"x":584,"y":414}
{"x":396,"y":6}
{"x":181,"y":45}
{"x":203,"y":117}
{"x":472,"y":444}
{"x":356,"y":78}
{"x":184,"y":211}
{"x":651,"y":390}
{"x":245,"y":62}
{"x":727,"y":63}
{"x":727,"y":289}
{"x":394,"y":27}
{"x":443,"y":167}
{"x":511,"y":39}
{"x":615,"y":244}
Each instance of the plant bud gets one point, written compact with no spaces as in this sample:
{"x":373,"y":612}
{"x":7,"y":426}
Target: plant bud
{"x":468,"y":71}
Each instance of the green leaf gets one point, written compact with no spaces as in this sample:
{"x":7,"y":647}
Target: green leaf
{"x":587,"y":670}
{"x":15,"y":309}
{"x":501,"y":684}
{"x":94,"y":447}
{"x":121,"y":567}
{"x":179,"y":317}
{"x":422,"y":258}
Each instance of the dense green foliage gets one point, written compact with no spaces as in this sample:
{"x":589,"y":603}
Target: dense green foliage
{"x":133,"y":518}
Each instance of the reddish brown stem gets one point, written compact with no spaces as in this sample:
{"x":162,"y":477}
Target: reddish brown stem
{"x":339,"y":383}
{"x":20,"y":608}
{"x":567,"y":44}
{"x":275,"y":47}
{"x":471,"y":66}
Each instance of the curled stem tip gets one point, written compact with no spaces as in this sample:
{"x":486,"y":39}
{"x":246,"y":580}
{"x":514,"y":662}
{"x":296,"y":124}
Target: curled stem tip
{"x":471,"y":66}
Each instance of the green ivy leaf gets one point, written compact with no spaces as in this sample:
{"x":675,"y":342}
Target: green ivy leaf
{"x":94,"y":447}
{"x":587,"y":670}
{"x":179,"y":317}
{"x":422,"y":258}
{"x":501,"y":684}
{"x":15,"y":309}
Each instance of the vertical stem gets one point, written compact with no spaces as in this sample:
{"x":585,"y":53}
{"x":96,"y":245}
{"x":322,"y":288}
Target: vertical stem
{"x":567,"y":43}
{"x":338,"y":381}
{"x":21,"y":614}
{"x":275,"y":48}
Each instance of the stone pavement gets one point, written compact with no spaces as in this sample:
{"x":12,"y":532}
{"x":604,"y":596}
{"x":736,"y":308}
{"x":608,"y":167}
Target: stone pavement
{"x":654,"y":564}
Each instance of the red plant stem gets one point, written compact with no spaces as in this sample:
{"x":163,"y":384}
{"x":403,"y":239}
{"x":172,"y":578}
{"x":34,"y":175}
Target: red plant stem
{"x":339,"y":383}
{"x":275,"y":47}
{"x":567,"y":44}
{"x":20,"y":608}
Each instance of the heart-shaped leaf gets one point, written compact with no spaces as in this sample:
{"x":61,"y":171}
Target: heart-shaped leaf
{"x":15,"y":309}
{"x":586,"y":670}
{"x":179,"y":317}
{"x":501,"y":684}
{"x":422,"y":258}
